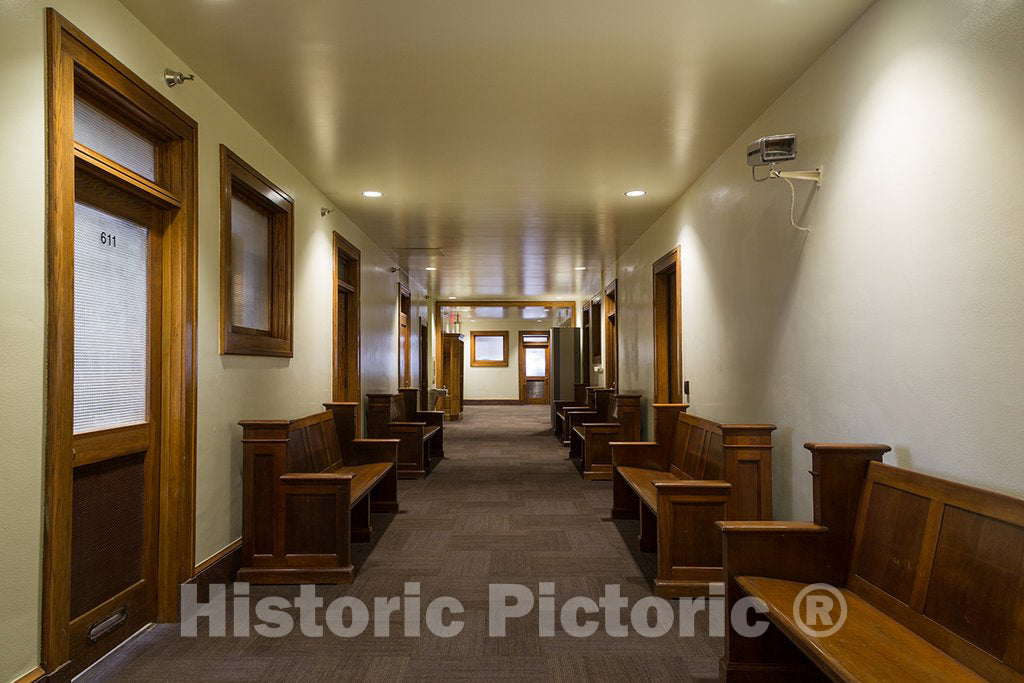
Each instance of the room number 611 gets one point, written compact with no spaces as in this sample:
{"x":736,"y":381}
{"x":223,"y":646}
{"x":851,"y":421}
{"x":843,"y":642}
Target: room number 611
{"x":108,"y":239}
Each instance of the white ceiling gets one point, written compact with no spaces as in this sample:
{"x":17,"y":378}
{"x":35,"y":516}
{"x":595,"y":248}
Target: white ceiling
{"x":504,"y":132}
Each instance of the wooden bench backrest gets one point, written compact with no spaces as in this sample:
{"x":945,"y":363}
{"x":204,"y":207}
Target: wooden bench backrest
{"x":313,"y":443}
{"x":946,"y":560}
{"x":697,"y":449}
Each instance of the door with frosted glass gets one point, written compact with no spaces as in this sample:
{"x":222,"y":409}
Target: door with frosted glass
{"x":116,"y":360}
{"x":534,"y":367}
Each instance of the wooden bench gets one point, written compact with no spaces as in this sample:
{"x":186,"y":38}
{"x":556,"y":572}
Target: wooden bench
{"x":696,"y":473}
{"x":308,"y":488}
{"x":932,"y":573}
{"x":589,"y":436}
{"x":579,"y":398}
{"x":597,"y":402}
{"x":421,"y":432}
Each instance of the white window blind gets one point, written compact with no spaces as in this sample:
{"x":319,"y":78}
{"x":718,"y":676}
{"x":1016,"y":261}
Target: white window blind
{"x":536,"y":362}
{"x":490,"y":348}
{"x":111,"y":331}
{"x":102,"y":133}
{"x":250,"y":267}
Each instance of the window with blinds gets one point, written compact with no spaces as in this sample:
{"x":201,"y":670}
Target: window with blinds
{"x":250,"y":267}
{"x":488,"y":349}
{"x":103,"y":133}
{"x":111,"y":342}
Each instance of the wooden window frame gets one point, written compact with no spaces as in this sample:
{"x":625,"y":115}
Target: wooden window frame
{"x":237,"y":178}
{"x":73,"y":60}
{"x":668,"y":384}
{"x":474,"y":363}
{"x":349,"y":367}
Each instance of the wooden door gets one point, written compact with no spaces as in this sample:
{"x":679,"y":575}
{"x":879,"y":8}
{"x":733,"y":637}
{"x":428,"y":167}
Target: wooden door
{"x":403,"y":350}
{"x":534,"y":367}
{"x":667,"y":330}
{"x":120,"y":353}
{"x":404,"y":339}
{"x":424,"y":398}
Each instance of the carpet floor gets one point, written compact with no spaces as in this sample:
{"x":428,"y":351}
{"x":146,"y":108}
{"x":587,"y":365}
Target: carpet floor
{"x":504,"y":507}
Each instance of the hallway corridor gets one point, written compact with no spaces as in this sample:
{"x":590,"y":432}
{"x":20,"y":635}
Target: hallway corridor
{"x":503,"y":507}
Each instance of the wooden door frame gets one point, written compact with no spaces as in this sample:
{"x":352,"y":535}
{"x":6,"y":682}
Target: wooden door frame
{"x":344,"y":248}
{"x":72,"y":56}
{"x":611,"y":337}
{"x":672,"y":393}
{"x":523,"y":345}
{"x":404,"y":348}
{"x":585,"y":333}
{"x":424,"y":364}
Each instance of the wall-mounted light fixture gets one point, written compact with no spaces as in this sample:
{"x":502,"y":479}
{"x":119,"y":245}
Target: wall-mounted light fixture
{"x":173,"y":78}
{"x":324,"y":212}
{"x":773,"y":149}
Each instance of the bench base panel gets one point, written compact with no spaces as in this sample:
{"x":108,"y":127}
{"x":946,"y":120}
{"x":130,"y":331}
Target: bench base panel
{"x":767,"y":673}
{"x":323,"y":575}
{"x":669,"y":588}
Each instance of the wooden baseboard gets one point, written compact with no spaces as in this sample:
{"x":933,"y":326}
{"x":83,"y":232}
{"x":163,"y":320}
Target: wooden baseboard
{"x":32,"y":676}
{"x":492,"y":402}
{"x":222,"y":567}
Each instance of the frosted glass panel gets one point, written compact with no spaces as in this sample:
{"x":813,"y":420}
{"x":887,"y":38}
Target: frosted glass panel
{"x":111,"y":138}
{"x":250,"y":269}
{"x":536,"y":362}
{"x":490,"y":348}
{"x":535,"y":338}
{"x":111,"y":331}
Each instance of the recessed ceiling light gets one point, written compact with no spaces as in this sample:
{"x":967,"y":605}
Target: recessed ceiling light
{"x":451,"y":297}
{"x":430,"y":268}
{"x":472,"y":321}
{"x":580,"y":268}
{"x":373,"y":194}
{"x":636,"y":193}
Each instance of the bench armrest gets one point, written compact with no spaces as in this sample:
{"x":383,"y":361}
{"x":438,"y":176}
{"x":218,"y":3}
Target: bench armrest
{"x":433,"y":418}
{"x":365,"y":451}
{"x":316,"y":483}
{"x":783,"y":550}
{"x":696,"y":487}
{"x":407,"y":424}
{"x":646,"y":454}
{"x":589,"y":426}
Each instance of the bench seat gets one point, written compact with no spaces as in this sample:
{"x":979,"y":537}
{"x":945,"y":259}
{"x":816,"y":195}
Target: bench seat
{"x":420,"y":432}
{"x":930,"y":570}
{"x":870,"y":646}
{"x":309,"y":488}
{"x":591,"y":436}
{"x":641,"y":480}
{"x":697,"y":473}
{"x":364,"y":477}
